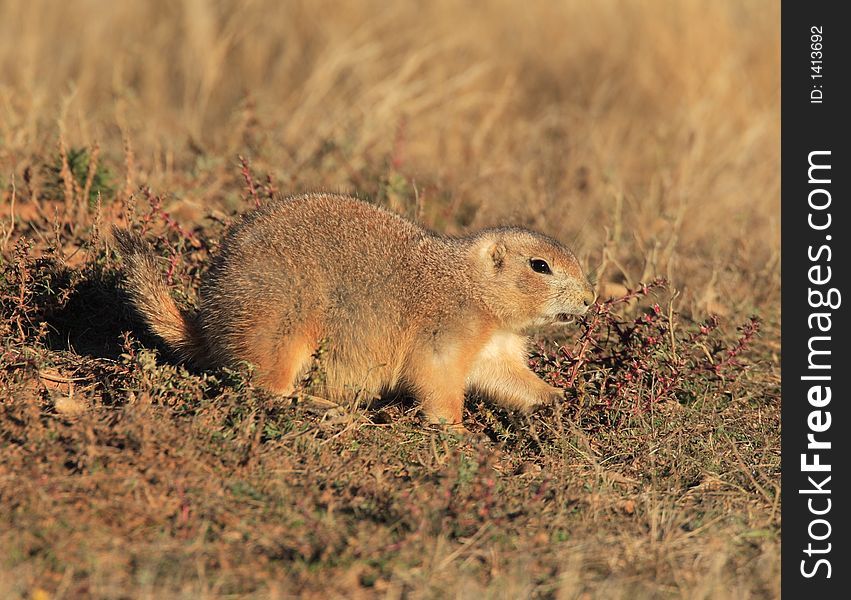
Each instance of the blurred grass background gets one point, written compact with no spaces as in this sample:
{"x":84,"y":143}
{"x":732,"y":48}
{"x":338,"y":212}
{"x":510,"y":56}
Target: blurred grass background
{"x":645,"y":133}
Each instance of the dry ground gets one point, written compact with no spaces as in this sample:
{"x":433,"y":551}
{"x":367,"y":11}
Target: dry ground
{"x":645,"y":134}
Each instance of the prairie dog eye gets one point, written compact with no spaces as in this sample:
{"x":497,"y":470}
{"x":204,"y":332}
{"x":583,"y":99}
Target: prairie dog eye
{"x":540,"y":266}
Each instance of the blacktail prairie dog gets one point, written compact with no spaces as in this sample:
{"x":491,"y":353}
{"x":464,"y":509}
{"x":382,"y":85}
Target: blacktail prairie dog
{"x":398,"y":309}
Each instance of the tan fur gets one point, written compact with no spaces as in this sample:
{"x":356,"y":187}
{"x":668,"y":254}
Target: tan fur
{"x":400,"y":309}
{"x":152,"y":300}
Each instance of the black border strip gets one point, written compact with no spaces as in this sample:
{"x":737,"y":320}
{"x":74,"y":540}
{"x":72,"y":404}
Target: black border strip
{"x":815,"y":234}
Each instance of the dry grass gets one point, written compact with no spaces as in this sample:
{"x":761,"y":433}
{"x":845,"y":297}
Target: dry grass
{"x":645,"y":134}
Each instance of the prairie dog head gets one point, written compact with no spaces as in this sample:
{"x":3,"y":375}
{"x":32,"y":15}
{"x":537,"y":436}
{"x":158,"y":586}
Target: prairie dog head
{"x":530,"y":279}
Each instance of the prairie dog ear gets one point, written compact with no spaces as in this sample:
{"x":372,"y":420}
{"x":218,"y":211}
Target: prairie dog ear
{"x":492,"y":252}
